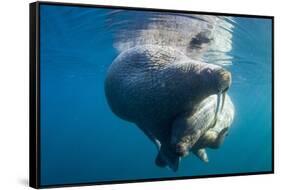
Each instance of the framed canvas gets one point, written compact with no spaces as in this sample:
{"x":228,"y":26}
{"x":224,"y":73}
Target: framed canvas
{"x":123,"y":94}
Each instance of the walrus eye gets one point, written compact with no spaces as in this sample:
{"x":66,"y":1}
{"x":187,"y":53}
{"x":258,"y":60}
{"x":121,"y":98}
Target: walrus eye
{"x":209,"y":71}
{"x":200,"y":39}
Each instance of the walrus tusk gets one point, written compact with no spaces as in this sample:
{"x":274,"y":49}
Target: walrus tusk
{"x":202,"y":154}
{"x":218,"y":106}
{"x":220,"y":103}
{"x":223,"y":98}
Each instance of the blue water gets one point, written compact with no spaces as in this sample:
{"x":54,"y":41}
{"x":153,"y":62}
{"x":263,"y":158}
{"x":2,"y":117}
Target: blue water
{"x":83,"y":141}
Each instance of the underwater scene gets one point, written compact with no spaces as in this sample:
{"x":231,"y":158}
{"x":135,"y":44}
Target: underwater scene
{"x":137,"y":94}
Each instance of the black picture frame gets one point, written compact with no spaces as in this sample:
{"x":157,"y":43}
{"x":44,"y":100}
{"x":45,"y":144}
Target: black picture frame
{"x":34,"y":93}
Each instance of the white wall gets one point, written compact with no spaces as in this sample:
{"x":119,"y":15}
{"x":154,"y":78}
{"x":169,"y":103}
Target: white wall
{"x":14,"y":93}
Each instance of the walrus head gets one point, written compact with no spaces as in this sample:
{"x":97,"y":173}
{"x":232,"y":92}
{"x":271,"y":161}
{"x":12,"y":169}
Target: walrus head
{"x":196,"y":81}
{"x":224,"y":82}
{"x":219,"y":79}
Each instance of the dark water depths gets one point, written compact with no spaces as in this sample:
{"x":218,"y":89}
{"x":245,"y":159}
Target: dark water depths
{"x":83,"y":141}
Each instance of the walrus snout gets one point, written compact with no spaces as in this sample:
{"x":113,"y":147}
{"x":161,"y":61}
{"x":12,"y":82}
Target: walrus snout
{"x":223,"y":80}
{"x":216,"y":78}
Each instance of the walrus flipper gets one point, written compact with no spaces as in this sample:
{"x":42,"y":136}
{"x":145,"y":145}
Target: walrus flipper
{"x":201,"y":154}
{"x":212,"y":138}
{"x":166,"y":157}
{"x":159,"y":161}
{"x":220,"y":138}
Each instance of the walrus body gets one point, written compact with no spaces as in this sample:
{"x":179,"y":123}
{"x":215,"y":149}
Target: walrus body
{"x":152,"y":85}
{"x":206,"y":127}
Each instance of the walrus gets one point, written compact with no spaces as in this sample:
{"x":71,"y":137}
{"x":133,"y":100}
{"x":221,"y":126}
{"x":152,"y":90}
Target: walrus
{"x":207,"y":126}
{"x":152,"y":85}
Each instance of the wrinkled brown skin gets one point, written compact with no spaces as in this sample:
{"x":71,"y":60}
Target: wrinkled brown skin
{"x":150,"y":85}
